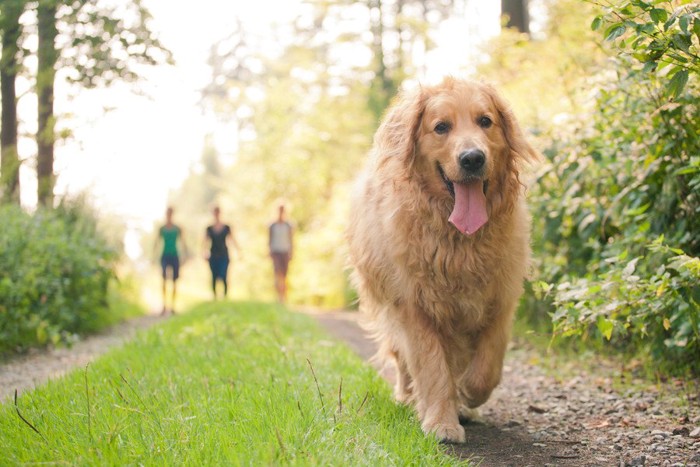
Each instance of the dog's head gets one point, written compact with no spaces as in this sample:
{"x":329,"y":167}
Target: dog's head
{"x":458,"y":140}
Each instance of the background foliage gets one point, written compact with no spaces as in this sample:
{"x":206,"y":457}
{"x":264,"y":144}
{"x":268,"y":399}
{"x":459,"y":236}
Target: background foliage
{"x":617,"y":206}
{"x":609,"y":90}
{"x":55,"y":279}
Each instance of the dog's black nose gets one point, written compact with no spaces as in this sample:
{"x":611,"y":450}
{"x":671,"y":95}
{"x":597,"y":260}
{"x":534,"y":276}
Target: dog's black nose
{"x":472,"y":160}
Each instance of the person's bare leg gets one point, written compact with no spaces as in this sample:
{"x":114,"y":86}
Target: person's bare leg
{"x":172,"y":309}
{"x":278,"y":286}
{"x":283,"y":280}
{"x":163,"y":298}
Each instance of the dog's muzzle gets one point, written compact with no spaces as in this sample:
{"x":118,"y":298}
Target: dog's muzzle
{"x":450,"y":185}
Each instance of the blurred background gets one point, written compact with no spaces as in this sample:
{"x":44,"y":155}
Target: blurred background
{"x":113,"y":110}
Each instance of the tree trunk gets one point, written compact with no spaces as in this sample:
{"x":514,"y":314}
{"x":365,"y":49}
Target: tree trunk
{"x":382,"y":85}
{"x":9,"y":158}
{"x":46,"y":72}
{"x":517,"y":13}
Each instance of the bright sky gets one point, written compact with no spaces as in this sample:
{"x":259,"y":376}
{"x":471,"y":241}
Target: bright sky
{"x":130,"y":157}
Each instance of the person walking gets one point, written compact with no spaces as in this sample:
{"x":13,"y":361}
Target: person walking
{"x":218,"y":236}
{"x":281,"y":248}
{"x":170,"y":235}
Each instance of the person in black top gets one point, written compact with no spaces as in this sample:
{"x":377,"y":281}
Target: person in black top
{"x":218,"y":236}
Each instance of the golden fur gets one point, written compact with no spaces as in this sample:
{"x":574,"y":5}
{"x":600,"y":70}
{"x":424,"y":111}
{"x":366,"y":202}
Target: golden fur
{"x":440,"y":302}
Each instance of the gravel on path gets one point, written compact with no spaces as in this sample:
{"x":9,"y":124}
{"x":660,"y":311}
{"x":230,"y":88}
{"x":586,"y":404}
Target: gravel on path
{"x":578,"y":418}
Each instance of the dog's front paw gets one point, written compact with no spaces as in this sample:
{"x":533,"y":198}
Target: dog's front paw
{"x":447,"y":433}
{"x":402,"y":397}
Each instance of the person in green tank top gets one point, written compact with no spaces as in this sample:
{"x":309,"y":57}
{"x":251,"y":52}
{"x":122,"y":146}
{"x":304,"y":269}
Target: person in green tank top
{"x":171,"y":237}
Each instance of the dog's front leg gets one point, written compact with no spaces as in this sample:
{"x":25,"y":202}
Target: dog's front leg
{"x":434,"y":390}
{"x":483,"y":372}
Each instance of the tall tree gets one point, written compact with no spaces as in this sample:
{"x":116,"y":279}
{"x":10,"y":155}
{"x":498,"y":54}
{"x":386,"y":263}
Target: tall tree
{"x":382,"y":87}
{"x":398,"y":28}
{"x":9,"y":64}
{"x":115,"y":38}
{"x":46,"y":74}
{"x":517,"y":13}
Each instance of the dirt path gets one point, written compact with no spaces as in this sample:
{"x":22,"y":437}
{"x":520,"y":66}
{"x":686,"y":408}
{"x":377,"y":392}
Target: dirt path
{"x":25,"y":372}
{"x":533,"y":419}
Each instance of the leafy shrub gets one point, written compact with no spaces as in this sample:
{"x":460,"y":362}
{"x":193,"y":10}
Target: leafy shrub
{"x":618,"y":210}
{"x":54,"y":278}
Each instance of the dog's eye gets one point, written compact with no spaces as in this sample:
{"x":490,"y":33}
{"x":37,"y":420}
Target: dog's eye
{"x":442,"y":127}
{"x":484,"y":122}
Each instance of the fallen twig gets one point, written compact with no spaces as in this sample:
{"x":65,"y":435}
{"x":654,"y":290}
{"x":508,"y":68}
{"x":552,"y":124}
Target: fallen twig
{"x":87,"y":398}
{"x":279,"y":440}
{"x":25,"y":420}
{"x":535,"y":409}
{"x":565,"y":456}
{"x":318,"y":388}
{"x":340,"y":397}
{"x":363,"y":402}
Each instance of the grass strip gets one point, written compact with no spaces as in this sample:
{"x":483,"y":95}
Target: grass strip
{"x":225,"y":384}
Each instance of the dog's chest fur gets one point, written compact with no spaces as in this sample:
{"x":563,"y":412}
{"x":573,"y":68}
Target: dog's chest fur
{"x":450,"y":276}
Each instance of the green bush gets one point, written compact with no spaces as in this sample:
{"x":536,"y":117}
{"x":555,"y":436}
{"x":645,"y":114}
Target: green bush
{"x":618,"y":210}
{"x":55,"y":275}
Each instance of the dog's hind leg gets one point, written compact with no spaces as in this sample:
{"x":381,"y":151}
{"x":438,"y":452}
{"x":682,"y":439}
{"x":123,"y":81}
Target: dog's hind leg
{"x":402,"y":389}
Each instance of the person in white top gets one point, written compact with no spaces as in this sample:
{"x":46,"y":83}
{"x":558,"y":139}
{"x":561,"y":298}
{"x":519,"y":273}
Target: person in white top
{"x":281,"y":248}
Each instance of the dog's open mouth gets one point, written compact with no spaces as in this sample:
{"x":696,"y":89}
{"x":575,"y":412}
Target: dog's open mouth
{"x":469,"y":212}
{"x":450,"y":186}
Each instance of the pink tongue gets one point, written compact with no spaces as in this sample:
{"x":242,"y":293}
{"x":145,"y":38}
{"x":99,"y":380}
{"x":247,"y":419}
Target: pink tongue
{"x":469,"y":213}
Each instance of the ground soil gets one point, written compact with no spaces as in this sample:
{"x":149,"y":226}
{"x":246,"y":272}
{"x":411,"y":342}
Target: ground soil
{"x":540,"y":415}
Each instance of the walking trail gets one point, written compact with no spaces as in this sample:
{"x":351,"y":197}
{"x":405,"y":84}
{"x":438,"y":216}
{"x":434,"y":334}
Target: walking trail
{"x":544,"y":413}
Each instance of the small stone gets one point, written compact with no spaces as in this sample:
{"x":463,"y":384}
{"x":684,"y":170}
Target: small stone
{"x":695,"y":433}
{"x":661,"y":433}
{"x":638,"y":461}
{"x":683,"y":431}
{"x":640,"y":406}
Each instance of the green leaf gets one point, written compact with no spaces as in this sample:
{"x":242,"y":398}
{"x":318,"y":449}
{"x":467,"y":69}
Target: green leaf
{"x":682,"y":42}
{"x":666,"y":322}
{"x":658,"y":15}
{"x":614,"y":31}
{"x":605,"y":326}
{"x":677,"y":83}
{"x":597,"y":23}
{"x":649,"y":66}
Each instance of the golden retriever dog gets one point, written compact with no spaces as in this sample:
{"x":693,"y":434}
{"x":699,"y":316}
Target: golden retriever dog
{"x":439,"y":242}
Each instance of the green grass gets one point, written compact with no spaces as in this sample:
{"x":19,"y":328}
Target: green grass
{"x":225,"y":384}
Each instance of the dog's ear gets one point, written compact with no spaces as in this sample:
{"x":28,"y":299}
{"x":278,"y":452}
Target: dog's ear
{"x":520,"y":149}
{"x":397,"y":135}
